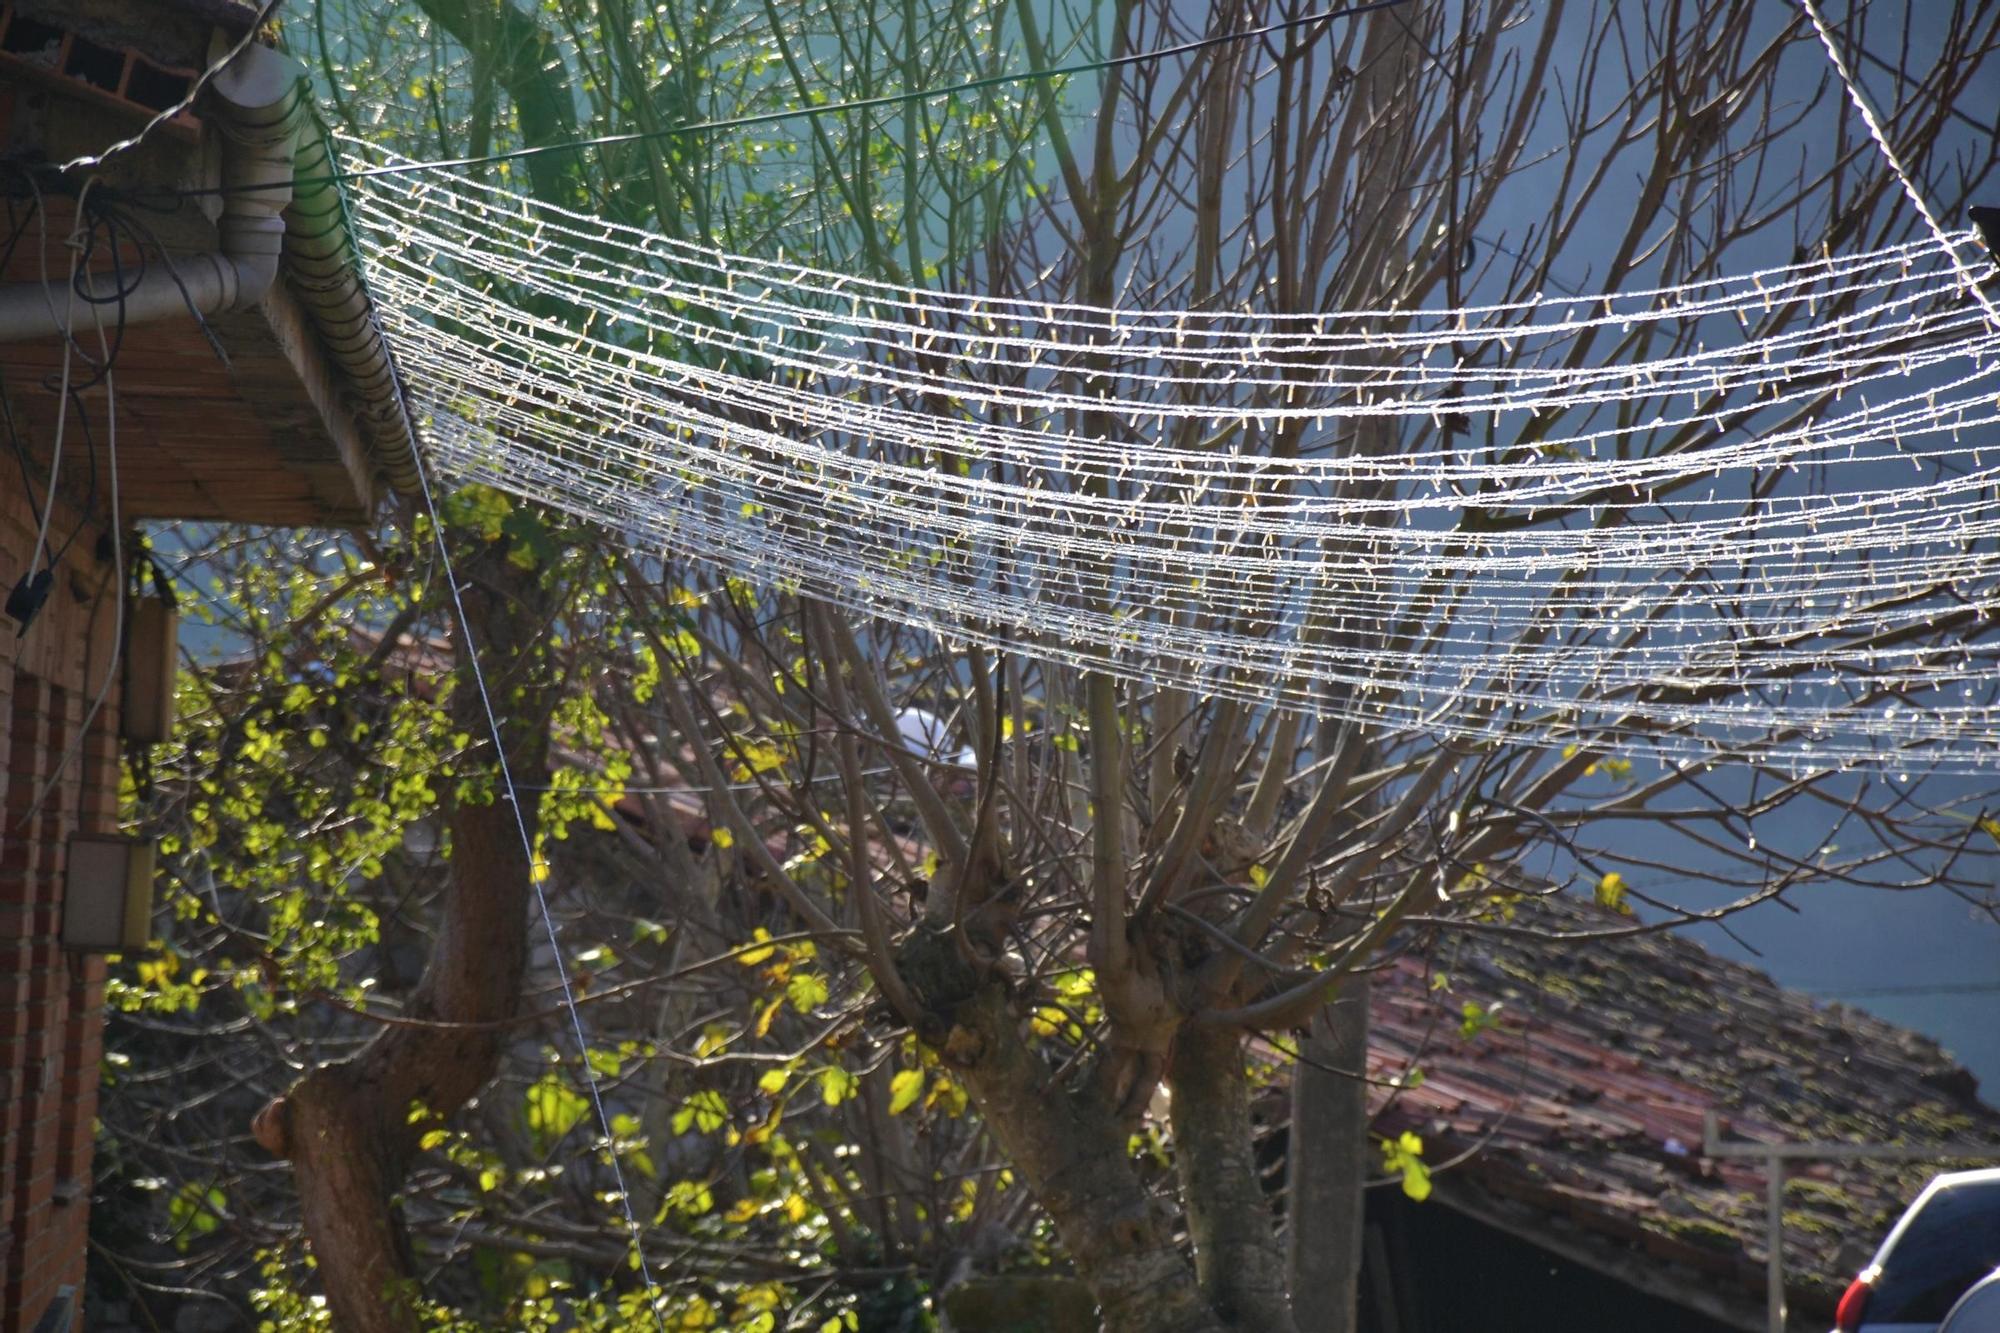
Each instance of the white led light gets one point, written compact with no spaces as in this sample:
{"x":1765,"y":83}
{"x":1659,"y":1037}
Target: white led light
{"x":938,"y":457}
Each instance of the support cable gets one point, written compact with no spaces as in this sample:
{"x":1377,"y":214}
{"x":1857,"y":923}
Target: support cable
{"x":536,"y":866}
{"x":791,"y":113}
{"x":1903,"y":177}
{"x":90,"y":160}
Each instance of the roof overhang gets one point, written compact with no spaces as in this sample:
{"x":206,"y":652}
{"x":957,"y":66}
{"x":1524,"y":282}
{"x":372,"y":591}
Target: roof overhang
{"x":283,"y":411}
{"x":1718,"y":1290}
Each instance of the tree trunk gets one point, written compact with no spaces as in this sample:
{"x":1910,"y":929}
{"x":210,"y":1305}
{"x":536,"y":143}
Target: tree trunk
{"x":1236,"y":1253}
{"x":351,"y":1128}
{"x":1327,"y":1164}
{"x":1067,"y":1144}
{"x":523,"y":56}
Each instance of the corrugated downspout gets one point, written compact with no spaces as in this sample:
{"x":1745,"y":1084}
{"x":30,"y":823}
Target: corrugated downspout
{"x":323,"y":269}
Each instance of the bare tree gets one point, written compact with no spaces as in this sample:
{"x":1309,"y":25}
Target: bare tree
{"x":1222,"y":871}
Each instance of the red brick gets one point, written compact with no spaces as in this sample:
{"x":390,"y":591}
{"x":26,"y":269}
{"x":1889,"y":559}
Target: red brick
{"x":51,"y":1020}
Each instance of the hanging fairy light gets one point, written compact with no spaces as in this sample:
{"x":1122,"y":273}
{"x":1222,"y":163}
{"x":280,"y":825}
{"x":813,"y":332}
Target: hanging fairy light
{"x":902,"y":452}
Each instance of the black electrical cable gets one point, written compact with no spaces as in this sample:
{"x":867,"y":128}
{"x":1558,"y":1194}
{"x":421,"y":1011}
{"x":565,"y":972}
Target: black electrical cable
{"x":16,"y":229}
{"x":26,"y":597}
{"x":112,"y":209}
{"x":103,"y":229}
{"x":98,"y":217}
{"x":146,"y":234}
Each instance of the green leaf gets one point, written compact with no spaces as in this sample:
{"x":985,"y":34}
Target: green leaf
{"x":905,"y":1088}
{"x":1404,"y":1156}
{"x":836,"y":1085}
{"x":752,"y":957}
{"x":195,"y":1211}
{"x":705,"y":1112}
{"x":807,"y":991}
{"x":554,"y":1108}
{"x":690,"y":1198}
{"x":946,"y":1096}
{"x":1076,"y":984}
{"x":1475,"y":1018}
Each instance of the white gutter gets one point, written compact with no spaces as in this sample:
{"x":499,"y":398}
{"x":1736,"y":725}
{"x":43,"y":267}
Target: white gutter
{"x":260,"y":108}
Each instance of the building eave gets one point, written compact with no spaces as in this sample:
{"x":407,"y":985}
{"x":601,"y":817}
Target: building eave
{"x":1727,"y":1300}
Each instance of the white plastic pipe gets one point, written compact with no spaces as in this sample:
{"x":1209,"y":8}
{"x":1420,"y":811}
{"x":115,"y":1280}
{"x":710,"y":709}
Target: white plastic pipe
{"x":259,"y":107}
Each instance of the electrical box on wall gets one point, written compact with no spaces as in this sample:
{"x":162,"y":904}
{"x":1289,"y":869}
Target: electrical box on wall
{"x":108,"y":895}
{"x":152,"y":653}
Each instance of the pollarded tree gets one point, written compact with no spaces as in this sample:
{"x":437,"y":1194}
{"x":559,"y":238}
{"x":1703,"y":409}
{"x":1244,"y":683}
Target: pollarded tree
{"x":1131,"y":873}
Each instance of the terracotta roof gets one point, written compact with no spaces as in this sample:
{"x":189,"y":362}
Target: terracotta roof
{"x":1584,"y":1098}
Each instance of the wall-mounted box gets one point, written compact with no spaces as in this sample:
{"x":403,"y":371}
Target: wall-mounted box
{"x":152,"y":653}
{"x":108,"y":895}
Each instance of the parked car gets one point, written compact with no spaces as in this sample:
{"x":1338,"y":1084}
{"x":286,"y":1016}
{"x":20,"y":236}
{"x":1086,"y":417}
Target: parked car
{"x":1978,"y":1311}
{"x":1943,"y":1245}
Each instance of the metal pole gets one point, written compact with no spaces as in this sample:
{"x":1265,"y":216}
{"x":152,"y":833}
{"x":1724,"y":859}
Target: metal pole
{"x":1775,"y":1155}
{"x":1774,"y":1238}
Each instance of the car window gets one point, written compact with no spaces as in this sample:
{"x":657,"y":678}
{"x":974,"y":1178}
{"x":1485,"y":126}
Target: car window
{"x":1951,"y":1244}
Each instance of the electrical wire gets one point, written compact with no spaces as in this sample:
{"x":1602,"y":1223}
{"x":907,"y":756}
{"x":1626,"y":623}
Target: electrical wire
{"x":115,"y":653}
{"x":796,"y":113}
{"x":537,"y":867}
{"x":37,"y":573}
{"x":16,"y":446}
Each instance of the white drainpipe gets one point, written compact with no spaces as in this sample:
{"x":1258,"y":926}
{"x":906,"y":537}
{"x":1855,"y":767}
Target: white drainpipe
{"x":259,"y":108}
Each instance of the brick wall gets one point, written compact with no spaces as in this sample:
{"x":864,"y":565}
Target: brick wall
{"x":51,"y":1019}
